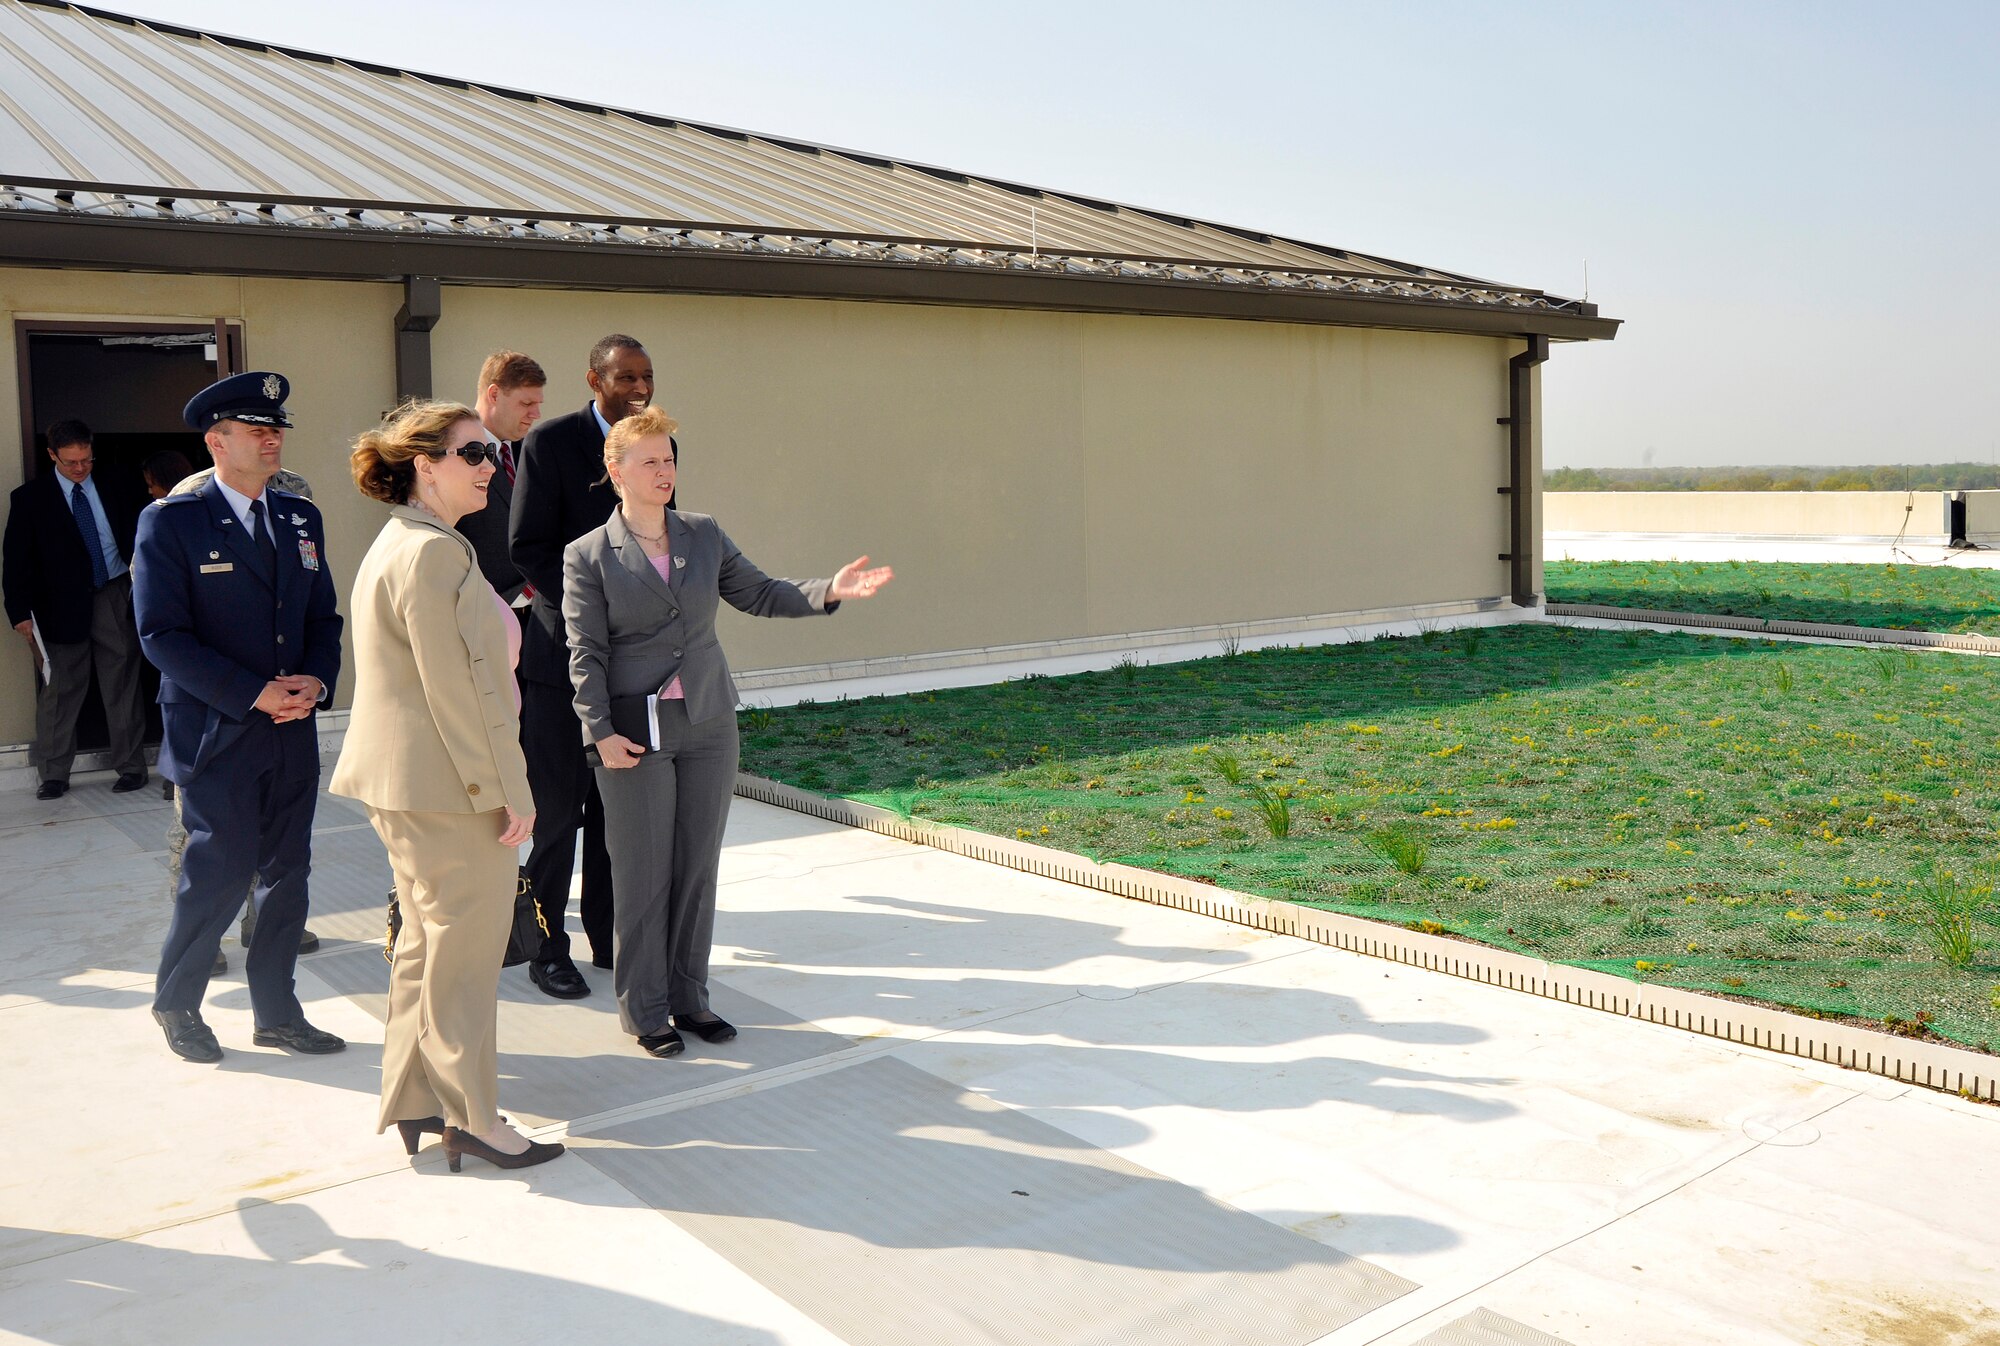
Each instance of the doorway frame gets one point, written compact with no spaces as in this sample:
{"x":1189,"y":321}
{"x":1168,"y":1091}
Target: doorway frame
{"x":230,"y":358}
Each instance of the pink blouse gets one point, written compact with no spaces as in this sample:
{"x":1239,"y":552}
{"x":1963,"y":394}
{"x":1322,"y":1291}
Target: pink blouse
{"x":664,"y":564}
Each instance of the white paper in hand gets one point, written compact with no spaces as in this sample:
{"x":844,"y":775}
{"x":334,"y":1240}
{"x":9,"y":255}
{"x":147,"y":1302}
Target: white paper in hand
{"x":42,"y":664}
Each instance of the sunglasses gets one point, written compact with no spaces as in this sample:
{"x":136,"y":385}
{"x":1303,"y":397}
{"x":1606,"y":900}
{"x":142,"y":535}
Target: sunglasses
{"x":473,"y":454}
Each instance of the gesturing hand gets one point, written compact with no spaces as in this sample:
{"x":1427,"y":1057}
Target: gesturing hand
{"x":855,"y":580}
{"x":617,"y":751}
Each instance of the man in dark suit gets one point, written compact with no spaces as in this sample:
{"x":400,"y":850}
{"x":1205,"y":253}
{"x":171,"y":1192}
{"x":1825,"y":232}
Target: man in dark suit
{"x":511,"y":387}
{"x":236,"y":609}
{"x":561,"y":493}
{"x":67,"y":573}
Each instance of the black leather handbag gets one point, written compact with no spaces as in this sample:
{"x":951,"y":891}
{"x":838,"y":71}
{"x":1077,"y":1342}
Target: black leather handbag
{"x":524,"y":935}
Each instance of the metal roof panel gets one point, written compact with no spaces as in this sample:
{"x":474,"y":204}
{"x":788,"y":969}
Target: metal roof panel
{"x":92,"y":96}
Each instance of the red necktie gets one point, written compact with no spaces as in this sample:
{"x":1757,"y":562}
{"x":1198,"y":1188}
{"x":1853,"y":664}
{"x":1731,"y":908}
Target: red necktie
{"x":506,"y":459}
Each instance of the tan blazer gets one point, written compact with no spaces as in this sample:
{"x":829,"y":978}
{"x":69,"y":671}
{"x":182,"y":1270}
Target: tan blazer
{"x":434,"y":727}
{"x":630,"y":631}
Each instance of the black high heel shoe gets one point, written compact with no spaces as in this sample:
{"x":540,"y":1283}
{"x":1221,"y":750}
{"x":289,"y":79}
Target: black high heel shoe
{"x":413,"y":1132}
{"x":457,"y":1143}
{"x":713,"y":1028}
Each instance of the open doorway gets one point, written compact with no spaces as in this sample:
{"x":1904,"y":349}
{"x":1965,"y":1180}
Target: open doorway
{"x":127,"y":382}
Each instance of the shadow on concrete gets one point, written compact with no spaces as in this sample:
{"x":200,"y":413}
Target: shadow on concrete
{"x":309,"y":1285}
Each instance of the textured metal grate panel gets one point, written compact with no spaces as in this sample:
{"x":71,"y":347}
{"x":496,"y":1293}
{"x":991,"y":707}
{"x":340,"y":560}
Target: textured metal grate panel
{"x":900,"y":1210}
{"x":1930,"y":1064}
{"x":1483,"y":1327}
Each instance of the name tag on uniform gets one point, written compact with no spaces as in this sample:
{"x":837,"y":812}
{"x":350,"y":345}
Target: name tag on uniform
{"x":217,"y":570}
{"x":308,"y":553}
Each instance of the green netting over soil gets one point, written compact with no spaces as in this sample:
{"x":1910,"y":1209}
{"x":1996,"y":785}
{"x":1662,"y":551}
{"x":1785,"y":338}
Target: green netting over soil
{"x":1903,"y":597}
{"x":1763,"y":820}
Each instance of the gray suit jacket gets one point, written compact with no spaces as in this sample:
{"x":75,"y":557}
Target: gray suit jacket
{"x":630,"y":631}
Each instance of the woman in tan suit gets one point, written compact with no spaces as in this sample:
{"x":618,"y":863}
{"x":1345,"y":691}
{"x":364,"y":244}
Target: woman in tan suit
{"x":658,"y":707}
{"x":433,"y":751}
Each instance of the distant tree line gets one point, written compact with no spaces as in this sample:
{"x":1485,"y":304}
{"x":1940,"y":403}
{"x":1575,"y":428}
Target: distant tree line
{"x":1885,"y":477}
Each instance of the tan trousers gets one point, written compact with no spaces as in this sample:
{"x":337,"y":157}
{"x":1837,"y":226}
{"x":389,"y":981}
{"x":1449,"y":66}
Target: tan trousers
{"x":455,"y":884}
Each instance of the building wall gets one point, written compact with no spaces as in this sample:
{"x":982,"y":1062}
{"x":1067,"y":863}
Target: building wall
{"x":1037,"y":476}
{"x":332,"y":340}
{"x":1032,"y":476}
{"x":1916,"y":516}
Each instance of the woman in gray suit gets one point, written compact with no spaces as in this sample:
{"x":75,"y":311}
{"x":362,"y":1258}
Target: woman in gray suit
{"x":640,"y":596}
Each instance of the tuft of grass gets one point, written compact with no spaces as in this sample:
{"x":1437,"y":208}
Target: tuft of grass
{"x":1228,"y":766}
{"x":1781,"y":678}
{"x":1128,"y":669}
{"x":1232,"y":644}
{"x":1402,"y":847}
{"x":1949,"y":907}
{"x":1276,"y":810}
{"x":1884,"y":663}
{"x":1470,"y":639}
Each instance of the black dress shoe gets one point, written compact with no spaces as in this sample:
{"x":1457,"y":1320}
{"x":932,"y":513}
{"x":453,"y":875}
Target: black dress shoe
{"x":664,"y":1044}
{"x":708,"y":1027}
{"x":52,"y":789}
{"x":457,"y":1142}
{"x":560,"y":980}
{"x":308,"y":941}
{"x":128,"y":782}
{"x":221,"y":964}
{"x":190,"y":1038}
{"x":300,"y":1037}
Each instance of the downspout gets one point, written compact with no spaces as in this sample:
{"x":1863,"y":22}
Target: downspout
{"x":1522,"y":490}
{"x":422,"y":306}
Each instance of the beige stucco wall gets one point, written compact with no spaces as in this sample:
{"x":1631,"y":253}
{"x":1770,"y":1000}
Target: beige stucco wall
{"x":1815,"y":514}
{"x":1033,"y":476}
{"x":331,"y":340}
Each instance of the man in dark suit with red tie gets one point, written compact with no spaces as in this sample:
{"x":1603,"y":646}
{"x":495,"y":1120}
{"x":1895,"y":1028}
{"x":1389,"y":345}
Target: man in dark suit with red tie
{"x":561,"y":493}
{"x":67,"y":574}
{"x":511,"y":387}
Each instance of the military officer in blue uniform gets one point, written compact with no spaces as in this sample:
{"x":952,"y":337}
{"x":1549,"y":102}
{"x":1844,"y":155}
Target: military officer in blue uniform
{"x":236,"y":609}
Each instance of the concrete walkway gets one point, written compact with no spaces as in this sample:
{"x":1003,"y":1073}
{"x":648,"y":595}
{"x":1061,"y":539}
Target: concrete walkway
{"x":968,"y":1106}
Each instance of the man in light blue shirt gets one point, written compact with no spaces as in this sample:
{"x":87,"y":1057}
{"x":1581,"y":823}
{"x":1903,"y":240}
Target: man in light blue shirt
{"x":69,"y":594}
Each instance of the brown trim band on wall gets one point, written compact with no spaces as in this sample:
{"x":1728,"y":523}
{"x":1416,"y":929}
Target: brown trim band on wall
{"x":258,"y":250}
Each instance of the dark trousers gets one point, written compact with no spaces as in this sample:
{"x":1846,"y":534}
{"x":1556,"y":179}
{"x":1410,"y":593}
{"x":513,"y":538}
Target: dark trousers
{"x":665,"y":819}
{"x":113,"y":649}
{"x":249,"y":818}
{"x":565,"y":799}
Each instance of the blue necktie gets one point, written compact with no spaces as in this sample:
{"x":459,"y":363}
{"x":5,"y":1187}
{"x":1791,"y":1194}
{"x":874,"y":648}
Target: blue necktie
{"x":266,"y":548}
{"x":86,"y":524}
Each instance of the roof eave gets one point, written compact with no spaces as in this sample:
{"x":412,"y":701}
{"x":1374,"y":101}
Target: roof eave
{"x":255,"y":250}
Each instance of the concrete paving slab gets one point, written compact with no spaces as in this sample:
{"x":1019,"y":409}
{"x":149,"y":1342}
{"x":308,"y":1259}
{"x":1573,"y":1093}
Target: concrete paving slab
{"x":413,"y":1255}
{"x":127,"y":1137}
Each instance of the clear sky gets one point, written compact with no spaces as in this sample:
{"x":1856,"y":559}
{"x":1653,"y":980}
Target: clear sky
{"x":1794,"y":206}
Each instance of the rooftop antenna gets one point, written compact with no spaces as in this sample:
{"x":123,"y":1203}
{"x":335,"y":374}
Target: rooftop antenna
{"x":1586,"y":280}
{"x":1034,"y":234}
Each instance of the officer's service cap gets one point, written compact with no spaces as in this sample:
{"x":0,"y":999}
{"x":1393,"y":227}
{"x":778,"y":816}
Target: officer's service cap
{"x":256,"y":398}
